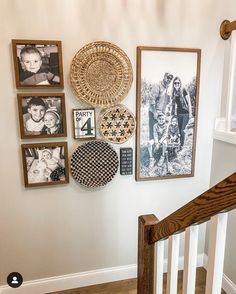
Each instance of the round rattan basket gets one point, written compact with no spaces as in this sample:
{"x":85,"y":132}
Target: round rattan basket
{"x":94,"y":164}
{"x":101,"y":74}
{"x":117,"y":125}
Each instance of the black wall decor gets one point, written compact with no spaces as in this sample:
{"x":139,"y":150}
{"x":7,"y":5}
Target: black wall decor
{"x":126,"y":161}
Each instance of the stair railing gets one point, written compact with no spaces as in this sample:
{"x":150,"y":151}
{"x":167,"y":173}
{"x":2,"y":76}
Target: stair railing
{"x":212,"y":205}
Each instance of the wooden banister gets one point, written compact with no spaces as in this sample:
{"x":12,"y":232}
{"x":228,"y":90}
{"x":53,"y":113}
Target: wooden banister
{"x":220,"y":198}
{"x":146,"y":253}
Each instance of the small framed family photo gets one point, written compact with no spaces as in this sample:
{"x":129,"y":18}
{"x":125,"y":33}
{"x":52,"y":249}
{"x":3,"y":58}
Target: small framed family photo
{"x":167,"y":111}
{"x":42,"y":115}
{"x":45,"y":164}
{"x":38,"y":64}
{"x":84,"y":123}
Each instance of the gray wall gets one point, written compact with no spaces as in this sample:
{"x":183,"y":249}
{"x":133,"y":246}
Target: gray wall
{"x":66,"y":229}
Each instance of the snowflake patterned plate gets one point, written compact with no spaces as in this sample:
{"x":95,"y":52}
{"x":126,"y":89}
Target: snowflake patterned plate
{"x":101,"y":74}
{"x":117,"y":124}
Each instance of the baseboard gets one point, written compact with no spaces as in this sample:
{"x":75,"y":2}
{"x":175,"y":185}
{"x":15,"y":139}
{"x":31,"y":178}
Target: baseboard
{"x":100,"y":276}
{"x":83,"y":279}
{"x":228,"y":286}
{"x":71,"y":281}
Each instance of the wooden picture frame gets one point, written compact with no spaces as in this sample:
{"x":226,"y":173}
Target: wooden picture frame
{"x":38,"y":63}
{"x":166,"y":112}
{"x":42,"y":115}
{"x":45,"y":164}
{"x":84,"y":123}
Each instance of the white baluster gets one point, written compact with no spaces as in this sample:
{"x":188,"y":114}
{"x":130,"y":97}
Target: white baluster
{"x":190,"y":259}
{"x":159,"y":267}
{"x":230,"y":109}
{"x":218,"y":226}
{"x":173,"y":261}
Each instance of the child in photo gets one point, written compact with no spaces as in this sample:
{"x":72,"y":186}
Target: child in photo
{"x":47,"y":165}
{"x":173,"y":138}
{"x":50,"y":161}
{"x":52,"y":122}
{"x":33,"y":70}
{"x":173,"y":131}
{"x":159,"y":143}
{"x":36,"y":110}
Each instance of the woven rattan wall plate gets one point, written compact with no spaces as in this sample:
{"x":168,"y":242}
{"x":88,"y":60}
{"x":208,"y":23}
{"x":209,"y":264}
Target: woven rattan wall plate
{"x":117,"y":124}
{"x":101,"y":74}
{"x":94,"y":164}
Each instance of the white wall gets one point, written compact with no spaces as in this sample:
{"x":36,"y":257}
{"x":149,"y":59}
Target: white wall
{"x":59,"y":230}
{"x":223,"y":164}
{"x":223,"y":156}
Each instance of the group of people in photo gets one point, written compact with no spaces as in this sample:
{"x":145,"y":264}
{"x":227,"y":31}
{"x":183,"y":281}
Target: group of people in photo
{"x":169,"y":113}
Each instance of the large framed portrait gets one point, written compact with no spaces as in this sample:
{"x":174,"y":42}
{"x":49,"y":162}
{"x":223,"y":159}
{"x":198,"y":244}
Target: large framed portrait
{"x":84,"y":123}
{"x":38,"y":64}
{"x":45,"y":164}
{"x":167,"y":110}
{"x":42,"y":115}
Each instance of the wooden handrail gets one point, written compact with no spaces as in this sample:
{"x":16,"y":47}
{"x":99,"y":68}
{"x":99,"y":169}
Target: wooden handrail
{"x":226,"y":28}
{"x":220,"y":198}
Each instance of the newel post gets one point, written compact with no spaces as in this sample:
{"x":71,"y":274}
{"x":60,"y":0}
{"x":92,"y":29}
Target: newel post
{"x":146,"y":254}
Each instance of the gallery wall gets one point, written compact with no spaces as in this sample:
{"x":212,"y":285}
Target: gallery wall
{"x":51,"y":231}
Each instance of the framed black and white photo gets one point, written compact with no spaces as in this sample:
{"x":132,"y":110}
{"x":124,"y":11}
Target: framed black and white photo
{"x":45,"y":164}
{"x":38,"y":64}
{"x":84,"y":123}
{"x":167,"y":109}
{"x":42,"y":115}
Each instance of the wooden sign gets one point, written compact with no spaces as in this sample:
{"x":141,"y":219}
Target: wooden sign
{"x":126,"y":161}
{"x":84,"y":124}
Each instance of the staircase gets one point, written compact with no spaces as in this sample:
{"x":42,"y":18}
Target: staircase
{"x":212,"y":205}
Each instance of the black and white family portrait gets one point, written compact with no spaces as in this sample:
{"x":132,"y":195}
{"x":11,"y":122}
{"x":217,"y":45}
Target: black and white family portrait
{"x":167,"y":97}
{"x":42,"y":115}
{"x":37,"y":63}
{"x":45,"y":164}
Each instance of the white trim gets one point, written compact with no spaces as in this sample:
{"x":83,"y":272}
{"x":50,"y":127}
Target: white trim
{"x":228,"y":286}
{"x":228,"y":137}
{"x":71,"y":281}
{"x":100,"y":276}
{"x":83,"y":279}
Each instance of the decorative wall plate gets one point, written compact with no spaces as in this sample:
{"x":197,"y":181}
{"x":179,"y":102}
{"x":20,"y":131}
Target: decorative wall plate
{"x":94,"y":164}
{"x":101,"y":74}
{"x":117,"y":124}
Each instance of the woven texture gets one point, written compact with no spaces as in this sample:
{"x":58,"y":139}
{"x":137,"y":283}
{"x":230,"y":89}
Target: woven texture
{"x":94,"y":164}
{"x":101,"y":74}
{"x":117,"y":125}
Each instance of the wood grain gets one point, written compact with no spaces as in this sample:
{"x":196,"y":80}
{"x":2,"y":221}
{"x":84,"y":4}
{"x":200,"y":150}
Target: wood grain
{"x":226,"y":28}
{"x":146,"y":253}
{"x":220,"y":198}
{"x":130,"y":286}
